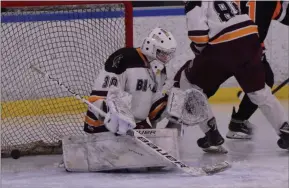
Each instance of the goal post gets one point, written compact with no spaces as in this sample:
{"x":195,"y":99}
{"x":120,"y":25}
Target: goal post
{"x":69,"y":39}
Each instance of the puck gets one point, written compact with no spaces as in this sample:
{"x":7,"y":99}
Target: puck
{"x":15,"y":154}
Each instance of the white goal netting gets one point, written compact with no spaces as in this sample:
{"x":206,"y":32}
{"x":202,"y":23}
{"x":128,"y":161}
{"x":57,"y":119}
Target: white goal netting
{"x":71,"y":42}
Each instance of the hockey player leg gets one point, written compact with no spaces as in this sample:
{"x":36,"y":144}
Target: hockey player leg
{"x":239,"y":126}
{"x":274,"y":112}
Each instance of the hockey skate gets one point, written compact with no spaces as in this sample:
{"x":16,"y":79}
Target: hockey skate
{"x":239,"y":129}
{"x":213,"y":140}
{"x":283,"y":142}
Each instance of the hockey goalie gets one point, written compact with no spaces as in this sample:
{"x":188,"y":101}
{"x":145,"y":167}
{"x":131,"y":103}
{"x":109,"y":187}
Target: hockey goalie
{"x":129,"y":91}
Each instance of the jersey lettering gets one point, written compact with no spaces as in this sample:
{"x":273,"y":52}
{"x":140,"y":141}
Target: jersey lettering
{"x":109,"y":82}
{"x":226,"y":10}
{"x":142,"y":85}
{"x":113,"y":81}
{"x":105,"y":83}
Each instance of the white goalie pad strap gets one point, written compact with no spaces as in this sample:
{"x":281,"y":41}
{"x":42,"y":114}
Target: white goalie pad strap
{"x":105,"y":151}
{"x":189,"y":107}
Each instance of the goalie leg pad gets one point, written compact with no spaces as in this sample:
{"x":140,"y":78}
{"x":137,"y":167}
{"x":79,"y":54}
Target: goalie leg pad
{"x":104,"y":151}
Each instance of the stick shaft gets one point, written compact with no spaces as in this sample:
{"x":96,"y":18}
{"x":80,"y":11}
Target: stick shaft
{"x":280,"y":86}
{"x":58,"y":82}
{"x":241,"y":94}
{"x":165,"y":155}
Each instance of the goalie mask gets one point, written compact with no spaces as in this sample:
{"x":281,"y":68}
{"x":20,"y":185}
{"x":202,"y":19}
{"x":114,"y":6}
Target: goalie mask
{"x":159,"y":45}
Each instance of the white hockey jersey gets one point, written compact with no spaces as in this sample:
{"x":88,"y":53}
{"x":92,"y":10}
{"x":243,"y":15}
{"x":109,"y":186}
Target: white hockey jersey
{"x":216,"y":22}
{"x":129,"y":70}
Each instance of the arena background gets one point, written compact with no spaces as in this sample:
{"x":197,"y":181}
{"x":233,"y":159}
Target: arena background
{"x":170,"y":15}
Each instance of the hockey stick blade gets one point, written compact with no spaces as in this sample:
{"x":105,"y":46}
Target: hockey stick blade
{"x":193,"y":171}
{"x":216,"y":168}
{"x":280,"y":86}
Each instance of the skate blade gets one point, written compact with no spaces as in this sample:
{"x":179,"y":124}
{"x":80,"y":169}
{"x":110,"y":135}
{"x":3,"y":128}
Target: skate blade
{"x":238,"y":135}
{"x":215,"y":149}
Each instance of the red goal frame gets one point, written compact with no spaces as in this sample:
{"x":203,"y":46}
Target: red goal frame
{"x":127,"y":5}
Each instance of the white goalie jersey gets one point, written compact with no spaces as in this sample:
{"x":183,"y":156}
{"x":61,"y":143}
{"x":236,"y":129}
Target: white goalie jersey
{"x":130,"y":71}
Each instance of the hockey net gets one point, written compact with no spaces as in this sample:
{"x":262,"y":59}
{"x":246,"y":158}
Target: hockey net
{"x":70,"y":41}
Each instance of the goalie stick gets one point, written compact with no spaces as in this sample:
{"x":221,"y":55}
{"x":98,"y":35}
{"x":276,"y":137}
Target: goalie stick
{"x":241,"y":94}
{"x":194,"y":171}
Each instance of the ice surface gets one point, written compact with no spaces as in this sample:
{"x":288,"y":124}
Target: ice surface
{"x":255,"y":164}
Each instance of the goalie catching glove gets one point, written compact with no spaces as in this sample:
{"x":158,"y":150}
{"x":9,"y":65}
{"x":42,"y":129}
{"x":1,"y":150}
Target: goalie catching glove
{"x":188,"y":107}
{"x":119,"y":118}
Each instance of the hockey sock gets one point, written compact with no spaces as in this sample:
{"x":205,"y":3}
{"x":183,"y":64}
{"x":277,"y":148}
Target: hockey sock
{"x":246,"y":109}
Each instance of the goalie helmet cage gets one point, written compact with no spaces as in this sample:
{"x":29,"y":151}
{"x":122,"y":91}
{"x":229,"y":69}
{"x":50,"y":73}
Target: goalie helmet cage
{"x":68,"y":39}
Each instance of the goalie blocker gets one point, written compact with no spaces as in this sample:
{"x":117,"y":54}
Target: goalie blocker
{"x":105,"y":151}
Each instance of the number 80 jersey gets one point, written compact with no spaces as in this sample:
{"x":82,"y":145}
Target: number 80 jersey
{"x":216,"y":22}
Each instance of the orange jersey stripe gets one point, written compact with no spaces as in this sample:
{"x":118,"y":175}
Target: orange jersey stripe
{"x":199,"y":39}
{"x":91,"y":122}
{"x":142,"y":56}
{"x":94,"y":98}
{"x":236,"y":34}
{"x":160,"y":107}
{"x":252,"y":9}
{"x":277,"y":10}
